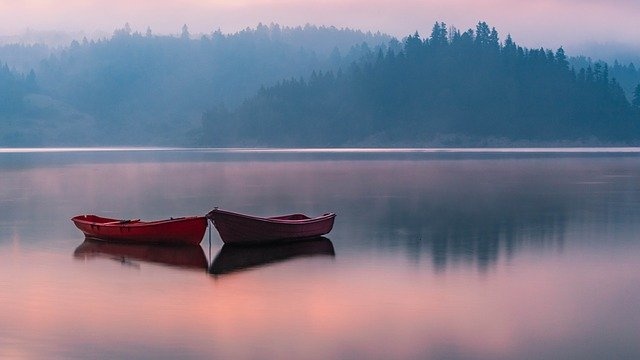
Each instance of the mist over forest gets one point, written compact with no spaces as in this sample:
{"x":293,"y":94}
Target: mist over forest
{"x":312,"y":86}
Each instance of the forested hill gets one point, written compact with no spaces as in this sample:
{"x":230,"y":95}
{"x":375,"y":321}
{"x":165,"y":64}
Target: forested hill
{"x":147,"y":89}
{"x":13,"y":88}
{"x":453,"y":88}
{"x":343,"y":87}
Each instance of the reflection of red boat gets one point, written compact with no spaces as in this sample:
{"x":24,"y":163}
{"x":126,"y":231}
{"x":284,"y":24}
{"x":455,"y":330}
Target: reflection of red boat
{"x":186,"y":256}
{"x":184,"y":230}
{"x":237,"y":228}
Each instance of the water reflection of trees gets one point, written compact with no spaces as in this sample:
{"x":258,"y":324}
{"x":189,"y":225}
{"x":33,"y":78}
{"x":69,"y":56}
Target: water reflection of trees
{"x":481,"y":212}
{"x":451,"y":234}
{"x":468,"y":232}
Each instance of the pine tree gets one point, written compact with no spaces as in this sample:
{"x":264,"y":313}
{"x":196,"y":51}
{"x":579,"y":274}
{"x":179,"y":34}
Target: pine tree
{"x":185,"y":32}
{"x":439,"y":34}
{"x":636,"y":97}
{"x":561,"y":58}
{"x":30,"y":82}
{"x":483,"y":33}
{"x":412,"y":45}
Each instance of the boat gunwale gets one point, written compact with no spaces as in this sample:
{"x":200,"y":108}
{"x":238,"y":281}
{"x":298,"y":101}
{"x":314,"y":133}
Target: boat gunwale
{"x":272,"y":220}
{"x":129,"y":223}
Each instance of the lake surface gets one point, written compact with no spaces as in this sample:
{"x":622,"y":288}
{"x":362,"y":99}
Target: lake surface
{"x":496,"y":254}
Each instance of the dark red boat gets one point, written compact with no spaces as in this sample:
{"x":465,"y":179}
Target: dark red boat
{"x":184,"y":230}
{"x":240,"y":229}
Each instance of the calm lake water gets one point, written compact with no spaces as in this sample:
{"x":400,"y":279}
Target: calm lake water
{"x":434,"y":255}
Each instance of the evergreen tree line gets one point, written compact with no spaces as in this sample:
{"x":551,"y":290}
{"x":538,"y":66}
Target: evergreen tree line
{"x":22,"y":58}
{"x":627,"y":75}
{"x":452,"y":88}
{"x":13,"y":89}
{"x":142,"y":88}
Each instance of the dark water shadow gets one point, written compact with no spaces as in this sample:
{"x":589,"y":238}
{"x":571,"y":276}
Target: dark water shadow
{"x":236,"y":258}
{"x":181,"y":256}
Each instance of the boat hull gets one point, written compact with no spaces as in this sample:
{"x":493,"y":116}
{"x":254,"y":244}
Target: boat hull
{"x":239,"y":229}
{"x":183,"y":231}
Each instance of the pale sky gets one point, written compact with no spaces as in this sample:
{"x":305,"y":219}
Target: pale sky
{"x":532,"y":23}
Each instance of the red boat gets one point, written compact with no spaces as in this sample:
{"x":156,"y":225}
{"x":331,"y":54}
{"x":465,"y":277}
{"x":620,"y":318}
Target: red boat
{"x":184,"y":230}
{"x":237,"y":228}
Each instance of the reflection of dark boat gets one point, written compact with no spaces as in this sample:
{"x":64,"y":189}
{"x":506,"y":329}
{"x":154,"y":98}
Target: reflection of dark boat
{"x":237,"y":228}
{"x":188,"y":256}
{"x":184,"y":230}
{"x":233,"y":258}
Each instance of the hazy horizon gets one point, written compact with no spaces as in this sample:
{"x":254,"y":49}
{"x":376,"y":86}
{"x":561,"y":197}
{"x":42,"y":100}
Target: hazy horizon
{"x":549,"y":24}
